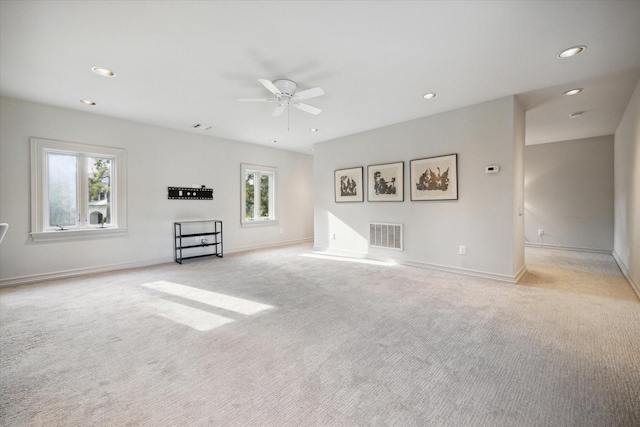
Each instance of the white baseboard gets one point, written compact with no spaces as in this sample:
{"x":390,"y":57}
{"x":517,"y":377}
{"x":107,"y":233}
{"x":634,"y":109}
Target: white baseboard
{"x":428,"y":266}
{"x":14,"y":281}
{"x":625,"y":272}
{"x":268,"y":245}
{"x":520,"y":273}
{"x":568,"y":248}
{"x":468,"y":272}
{"x":342,"y":252}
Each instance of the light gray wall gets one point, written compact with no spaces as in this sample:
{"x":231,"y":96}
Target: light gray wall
{"x":483,"y":218}
{"x":569,"y":193}
{"x":157,"y":158}
{"x":626,"y":247}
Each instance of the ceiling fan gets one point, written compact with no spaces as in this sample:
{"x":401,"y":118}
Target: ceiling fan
{"x":286,"y":95}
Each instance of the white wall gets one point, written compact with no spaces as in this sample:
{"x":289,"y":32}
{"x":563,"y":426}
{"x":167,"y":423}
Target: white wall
{"x":157,"y":158}
{"x":626,"y":245}
{"x":569,"y":194}
{"x":484,"y":218}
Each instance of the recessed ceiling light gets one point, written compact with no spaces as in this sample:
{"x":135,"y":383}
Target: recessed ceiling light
{"x":572,"y":51}
{"x":103,"y":72}
{"x":273,"y":141}
{"x":576,"y":114}
{"x":313,"y":130}
{"x":573,"y":91}
{"x":87,"y":102}
{"x":429,"y":95}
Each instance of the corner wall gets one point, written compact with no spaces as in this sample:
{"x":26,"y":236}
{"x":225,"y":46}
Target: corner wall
{"x":569,"y":194}
{"x":519,"y":126}
{"x":626,"y":239}
{"x":484,"y":218}
{"x":156,"y":159}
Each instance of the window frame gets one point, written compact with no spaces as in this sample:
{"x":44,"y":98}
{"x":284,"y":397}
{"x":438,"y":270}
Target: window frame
{"x":40,"y":229}
{"x":273,"y":194}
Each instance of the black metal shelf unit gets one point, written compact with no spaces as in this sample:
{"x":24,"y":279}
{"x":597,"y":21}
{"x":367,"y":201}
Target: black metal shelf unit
{"x":197,"y":239}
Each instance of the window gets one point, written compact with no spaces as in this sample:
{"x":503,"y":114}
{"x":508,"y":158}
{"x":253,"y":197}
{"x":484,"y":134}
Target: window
{"x":77,"y":191}
{"x":258,"y":195}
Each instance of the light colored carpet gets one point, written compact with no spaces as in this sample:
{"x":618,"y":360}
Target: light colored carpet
{"x":323,"y":342}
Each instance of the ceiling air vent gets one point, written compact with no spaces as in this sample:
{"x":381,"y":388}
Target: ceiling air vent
{"x":384,"y":235}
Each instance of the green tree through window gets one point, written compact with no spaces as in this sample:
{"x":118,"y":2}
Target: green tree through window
{"x":264,"y":196}
{"x":258,"y":196}
{"x":249,"y":195}
{"x":100,"y":185}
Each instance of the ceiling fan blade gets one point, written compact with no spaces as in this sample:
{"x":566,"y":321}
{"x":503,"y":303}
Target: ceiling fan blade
{"x":279,"y":110}
{"x":270,"y":86}
{"x":309,"y":93}
{"x":307,"y":108}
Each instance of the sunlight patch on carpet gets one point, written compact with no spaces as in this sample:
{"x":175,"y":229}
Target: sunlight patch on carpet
{"x":226,"y":302}
{"x":199,"y":320}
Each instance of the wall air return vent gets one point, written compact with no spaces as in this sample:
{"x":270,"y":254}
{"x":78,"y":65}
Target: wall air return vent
{"x":384,"y":235}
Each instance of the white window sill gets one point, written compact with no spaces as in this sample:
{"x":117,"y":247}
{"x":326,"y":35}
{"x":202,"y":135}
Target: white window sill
{"x":259,"y":223}
{"x":77,"y":234}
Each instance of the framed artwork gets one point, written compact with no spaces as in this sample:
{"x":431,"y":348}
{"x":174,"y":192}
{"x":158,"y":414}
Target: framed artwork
{"x":348,"y":185}
{"x":435,"y":178}
{"x":385,"y":182}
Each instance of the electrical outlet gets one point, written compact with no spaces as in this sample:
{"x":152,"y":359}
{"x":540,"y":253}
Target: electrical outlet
{"x":281,"y":231}
{"x":462,"y":250}
{"x":333,"y":236}
{"x":540,"y":232}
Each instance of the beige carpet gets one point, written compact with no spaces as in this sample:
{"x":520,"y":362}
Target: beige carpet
{"x":281,"y":338}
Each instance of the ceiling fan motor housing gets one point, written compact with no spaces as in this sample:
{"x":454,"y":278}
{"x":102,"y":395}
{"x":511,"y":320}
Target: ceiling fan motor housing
{"x":287,"y":87}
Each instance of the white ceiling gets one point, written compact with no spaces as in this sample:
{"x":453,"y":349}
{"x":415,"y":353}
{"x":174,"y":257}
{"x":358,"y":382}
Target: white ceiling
{"x":179,"y":62}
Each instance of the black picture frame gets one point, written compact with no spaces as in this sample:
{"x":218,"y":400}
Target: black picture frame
{"x":385,"y":182}
{"x":434,"y":178}
{"x":348,"y":186}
